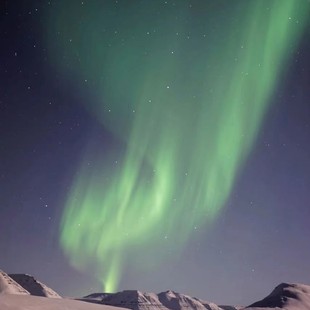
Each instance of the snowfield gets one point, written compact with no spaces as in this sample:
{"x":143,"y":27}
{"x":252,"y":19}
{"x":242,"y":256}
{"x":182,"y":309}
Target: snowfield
{"x":23,"y":302}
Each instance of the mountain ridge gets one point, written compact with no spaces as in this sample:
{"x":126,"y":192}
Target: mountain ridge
{"x":168,"y":300}
{"x":19,"y":291}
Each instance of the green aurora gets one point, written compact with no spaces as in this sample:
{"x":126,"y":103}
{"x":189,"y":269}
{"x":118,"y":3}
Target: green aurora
{"x":184,"y":88}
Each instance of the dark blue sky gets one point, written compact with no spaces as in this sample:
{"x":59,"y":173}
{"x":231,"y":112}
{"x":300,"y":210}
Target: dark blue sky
{"x":260,"y":239}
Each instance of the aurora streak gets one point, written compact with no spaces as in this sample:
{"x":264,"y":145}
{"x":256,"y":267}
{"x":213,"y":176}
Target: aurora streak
{"x":185,"y":94}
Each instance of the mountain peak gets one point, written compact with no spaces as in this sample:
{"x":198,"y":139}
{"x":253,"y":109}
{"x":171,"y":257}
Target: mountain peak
{"x":33,"y":286}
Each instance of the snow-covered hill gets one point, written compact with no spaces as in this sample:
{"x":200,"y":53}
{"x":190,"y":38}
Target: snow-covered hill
{"x":286,"y":296}
{"x":33,"y":286}
{"x":15,"y":297}
{"x":137,"y":300}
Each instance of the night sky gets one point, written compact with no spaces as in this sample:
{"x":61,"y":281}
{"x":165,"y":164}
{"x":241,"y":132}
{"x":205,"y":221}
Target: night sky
{"x":156,"y":145}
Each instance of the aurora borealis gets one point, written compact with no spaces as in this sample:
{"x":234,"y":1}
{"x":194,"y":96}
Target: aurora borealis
{"x":187,"y":105}
{"x":156,"y":145}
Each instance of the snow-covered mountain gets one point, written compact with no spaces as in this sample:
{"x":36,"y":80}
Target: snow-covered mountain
{"x":21,"y":292}
{"x":286,"y":296}
{"x":33,"y":286}
{"x":168,"y":300}
{"x":15,"y":297}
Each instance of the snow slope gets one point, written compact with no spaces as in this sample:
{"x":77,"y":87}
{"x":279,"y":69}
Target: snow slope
{"x":22,"y":302}
{"x":9,"y":286}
